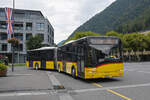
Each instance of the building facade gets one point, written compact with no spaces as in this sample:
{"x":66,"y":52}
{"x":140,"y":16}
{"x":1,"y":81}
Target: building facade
{"x":26,"y":23}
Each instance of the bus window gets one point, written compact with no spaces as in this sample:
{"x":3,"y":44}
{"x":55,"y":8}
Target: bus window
{"x":100,"y":53}
{"x":115,"y":52}
{"x":100,"y":56}
{"x":91,"y":57}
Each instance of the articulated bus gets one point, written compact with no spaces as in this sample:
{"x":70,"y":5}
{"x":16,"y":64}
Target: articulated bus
{"x":87,"y":58}
{"x":42,"y":58}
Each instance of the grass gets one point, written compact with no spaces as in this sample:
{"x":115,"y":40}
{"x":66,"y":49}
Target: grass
{"x":18,"y":65}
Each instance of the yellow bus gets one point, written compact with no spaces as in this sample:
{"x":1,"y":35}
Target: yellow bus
{"x":42,"y":58}
{"x":87,"y":58}
{"x":91,"y":57}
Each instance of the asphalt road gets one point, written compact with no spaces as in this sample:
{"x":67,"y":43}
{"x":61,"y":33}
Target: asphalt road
{"x":25,"y":84}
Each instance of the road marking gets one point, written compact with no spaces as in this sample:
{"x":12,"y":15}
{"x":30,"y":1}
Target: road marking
{"x":76,"y":91}
{"x":116,"y":93}
{"x":53,"y":79}
{"x":98,"y":85}
{"x":130,"y":69}
{"x":65,"y":97}
{"x":56,"y":84}
{"x":20,"y":74}
{"x":105,"y":88}
{"x":22,"y":94}
{"x":119,"y":94}
{"x":136,"y":70}
{"x":144,"y":72}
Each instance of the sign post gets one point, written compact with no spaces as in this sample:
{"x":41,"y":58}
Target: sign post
{"x":10,"y":22}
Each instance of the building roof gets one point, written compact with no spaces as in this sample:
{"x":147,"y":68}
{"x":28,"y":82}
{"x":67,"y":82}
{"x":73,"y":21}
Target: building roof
{"x":24,"y":11}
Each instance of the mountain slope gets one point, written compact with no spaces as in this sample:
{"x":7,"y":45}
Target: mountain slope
{"x":118,"y":15}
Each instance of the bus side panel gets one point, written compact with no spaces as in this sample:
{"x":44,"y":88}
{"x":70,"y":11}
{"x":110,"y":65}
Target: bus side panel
{"x":76,"y":69}
{"x":36,"y":62}
{"x":27,"y":64}
{"x":30,"y":63}
{"x":69,"y":66}
{"x":49,"y":64}
{"x":59,"y":64}
{"x":104,"y":71}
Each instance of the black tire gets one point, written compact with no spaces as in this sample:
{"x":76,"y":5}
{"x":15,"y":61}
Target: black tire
{"x":36,"y":66}
{"x":73,"y":73}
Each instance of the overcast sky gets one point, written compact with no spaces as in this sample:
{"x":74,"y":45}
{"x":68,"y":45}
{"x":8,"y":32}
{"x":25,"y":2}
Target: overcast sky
{"x":64,"y":15}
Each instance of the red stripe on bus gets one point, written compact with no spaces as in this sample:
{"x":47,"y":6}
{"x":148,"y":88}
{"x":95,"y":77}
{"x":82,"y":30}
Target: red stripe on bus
{"x":71,"y":62}
{"x":104,"y":65}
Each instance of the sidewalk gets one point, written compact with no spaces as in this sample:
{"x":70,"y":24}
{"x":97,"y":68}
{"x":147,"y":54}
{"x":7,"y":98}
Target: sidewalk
{"x":23,"y":79}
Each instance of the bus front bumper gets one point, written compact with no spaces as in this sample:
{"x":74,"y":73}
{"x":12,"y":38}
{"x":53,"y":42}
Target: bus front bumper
{"x":94,"y":75}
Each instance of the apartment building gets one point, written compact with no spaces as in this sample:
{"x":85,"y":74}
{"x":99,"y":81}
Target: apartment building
{"x":27,"y":23}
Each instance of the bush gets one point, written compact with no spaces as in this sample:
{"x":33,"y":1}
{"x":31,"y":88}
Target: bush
{"x":3,"y":67}
{"x":1,"y":61}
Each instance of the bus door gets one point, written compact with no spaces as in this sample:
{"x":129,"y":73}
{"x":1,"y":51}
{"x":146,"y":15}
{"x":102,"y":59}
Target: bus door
{"x":43,"y":60}
{"x":43,"y":64}
{"x":80,"y":61}
{"x":30,"y":63}
{"x":64,"y":56}
{"x":30,"y":58}
{"x":55,"y":58}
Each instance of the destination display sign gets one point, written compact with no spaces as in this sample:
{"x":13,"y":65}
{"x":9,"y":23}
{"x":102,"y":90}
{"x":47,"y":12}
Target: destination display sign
{"x":110,"y":41}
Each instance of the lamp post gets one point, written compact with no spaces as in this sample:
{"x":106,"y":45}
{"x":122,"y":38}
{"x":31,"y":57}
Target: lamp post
{"x":13,"y":37}
{"x":12,"y":57}
{"x":13,"y":4}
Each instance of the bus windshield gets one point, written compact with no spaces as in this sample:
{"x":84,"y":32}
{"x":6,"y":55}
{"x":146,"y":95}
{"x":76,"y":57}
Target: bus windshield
{"x":100,"y":53}
{"x":103,"y":48}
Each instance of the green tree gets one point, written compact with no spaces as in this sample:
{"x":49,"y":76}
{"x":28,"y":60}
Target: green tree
{"x":113,"y":33}
{"x":125,"y":40}
{"x":147,"y":39}
{"x":34,"y":42}
{"x":142,"y":42}
{"x":135,"y":42}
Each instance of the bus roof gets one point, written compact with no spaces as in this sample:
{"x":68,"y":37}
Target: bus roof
{"x":43,"y":48}
{"x":90,"y":37}
{"x":70,"y":41}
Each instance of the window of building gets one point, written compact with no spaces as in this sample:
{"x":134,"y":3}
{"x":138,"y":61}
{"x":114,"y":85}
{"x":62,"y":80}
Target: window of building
{"x":20,"y":47}
{"x":2,"y":13}
{"x":28,"y":15}
{"x":28,"y":35}
{"x":40,"y":26}
{"x":18,"y":26}
{"x":48,"y":38}
{"x":18,"y":36}
{"x":52,"y":33}
{"x":48,"y":29}
{"x":3,"y":25}
{"x":19,"y":14}
{"x":3,"y":36}
{"x":29,"y":26}
{"x":37,"y":14}
{"x":3,"y":47}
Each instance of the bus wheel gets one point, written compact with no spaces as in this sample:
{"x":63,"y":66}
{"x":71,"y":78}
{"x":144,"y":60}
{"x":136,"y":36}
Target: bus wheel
{"x":73,"y":73}
{"x":36,"y":66}
{"x":59,"y":70}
